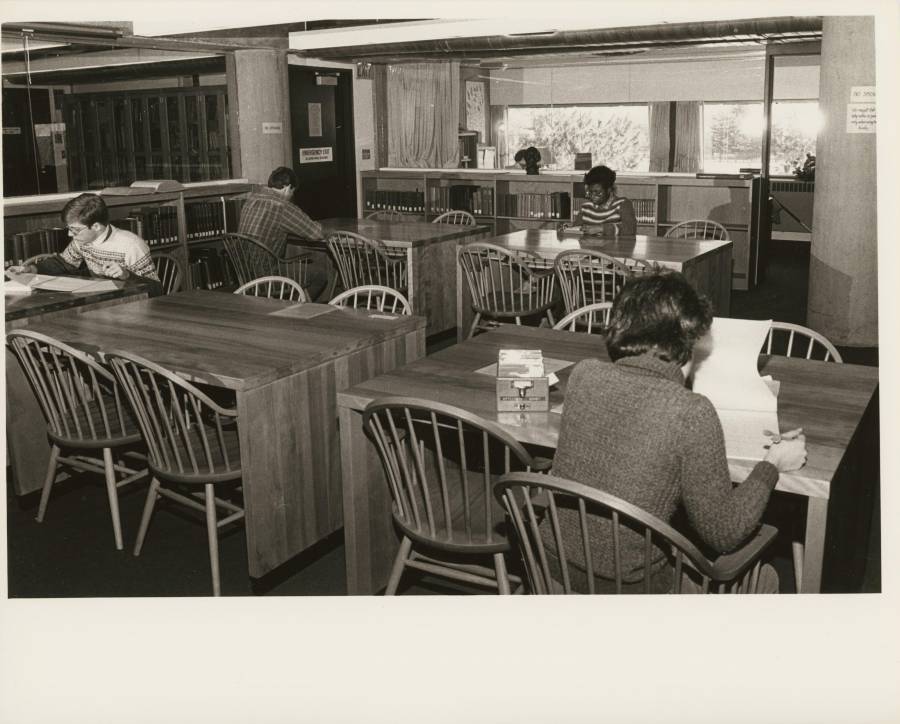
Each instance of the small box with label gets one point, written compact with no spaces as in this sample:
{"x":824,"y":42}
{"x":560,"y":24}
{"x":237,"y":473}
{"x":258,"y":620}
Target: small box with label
{"x":522,"y":385}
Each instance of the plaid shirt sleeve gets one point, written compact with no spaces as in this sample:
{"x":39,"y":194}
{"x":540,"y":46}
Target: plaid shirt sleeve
{"x":298,"y":223}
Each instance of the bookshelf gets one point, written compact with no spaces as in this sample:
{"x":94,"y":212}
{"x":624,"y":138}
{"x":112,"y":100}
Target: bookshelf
{"x":518,"y":201}
{"x":185,"y":223}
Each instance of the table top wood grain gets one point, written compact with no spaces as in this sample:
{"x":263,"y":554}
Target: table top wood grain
{"x":547,"y":243}
{"x":228,"y":340}
{"x":827,"y":400}
{"x":403,"y":233}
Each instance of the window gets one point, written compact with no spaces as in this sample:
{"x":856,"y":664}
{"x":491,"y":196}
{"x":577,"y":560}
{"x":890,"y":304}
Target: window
{"x":732,"y":135}
{"x":617,"y":136}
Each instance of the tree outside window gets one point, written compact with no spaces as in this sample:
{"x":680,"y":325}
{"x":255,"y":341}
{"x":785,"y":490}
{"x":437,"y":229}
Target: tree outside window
{"x":617,"y":136}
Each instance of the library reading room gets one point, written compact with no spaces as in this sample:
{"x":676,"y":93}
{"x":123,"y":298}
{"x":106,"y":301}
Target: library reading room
{"x":442,"y":308}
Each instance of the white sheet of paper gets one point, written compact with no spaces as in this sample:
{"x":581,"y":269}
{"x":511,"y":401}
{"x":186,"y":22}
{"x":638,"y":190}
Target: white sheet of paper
{"x":725,"y":372}
{"x":75,"y":284}
{"x":14,"y":287}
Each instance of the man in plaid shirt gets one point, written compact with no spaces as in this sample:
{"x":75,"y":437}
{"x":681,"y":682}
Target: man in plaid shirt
{"x":268,"y":215}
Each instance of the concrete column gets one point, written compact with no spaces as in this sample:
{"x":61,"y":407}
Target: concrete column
{"x":843,"y":271}
{"x":258,"y":93}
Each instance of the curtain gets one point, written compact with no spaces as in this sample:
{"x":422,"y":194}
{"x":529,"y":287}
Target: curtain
{"x":659,"y":136}
{"x":423,"y":115}
{"x":687,"y":137}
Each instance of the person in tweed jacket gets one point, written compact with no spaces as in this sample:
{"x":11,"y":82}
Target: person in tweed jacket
{"x":633,"y":429}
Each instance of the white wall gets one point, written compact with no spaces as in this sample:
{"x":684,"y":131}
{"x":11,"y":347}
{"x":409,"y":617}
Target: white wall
{"x":732,"y":79}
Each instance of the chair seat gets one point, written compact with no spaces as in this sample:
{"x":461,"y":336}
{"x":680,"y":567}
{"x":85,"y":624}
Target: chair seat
{"x":218,"y":473}
{"x":132,"y":433}
{"x":509,"y":305}
{"x":473,"y":542}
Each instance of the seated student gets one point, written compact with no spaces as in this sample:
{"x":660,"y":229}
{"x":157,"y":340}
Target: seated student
{"x":268,"y":216}
{"x":604,"y":206}
{"x":634,"y":430}
{"x":105,"y":250}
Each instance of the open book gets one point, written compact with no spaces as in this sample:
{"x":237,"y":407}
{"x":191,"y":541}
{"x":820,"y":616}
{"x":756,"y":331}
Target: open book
{"x":725,"y":372}
{"x":47,"y":282}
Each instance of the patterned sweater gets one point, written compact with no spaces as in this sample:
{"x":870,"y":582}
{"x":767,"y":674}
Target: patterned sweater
{"x":634,"y":430}
{"x":118,"y":246}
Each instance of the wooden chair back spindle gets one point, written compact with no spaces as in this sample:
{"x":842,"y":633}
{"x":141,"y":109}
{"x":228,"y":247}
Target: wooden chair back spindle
{"x":590,"y":319}
{"x":362,"y":262}
{"x":589,"y":277}
{"x":374,"y":297}
{"x":168,"y":269}
{"x":459,"y":217}
{"x":506,"y":285}
{"x":698,"y":229}
{"x":274,"y":287}
{"x":559,"y":522}
{"x":252,"y":260}
{"x":793,"y":340}
{"x":189,"y":437}
{"x":80,"y":400}
{"x":386,"y":215}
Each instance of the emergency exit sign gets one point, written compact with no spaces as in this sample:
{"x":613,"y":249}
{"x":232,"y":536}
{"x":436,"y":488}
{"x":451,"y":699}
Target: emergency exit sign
{"x":315,"y":155}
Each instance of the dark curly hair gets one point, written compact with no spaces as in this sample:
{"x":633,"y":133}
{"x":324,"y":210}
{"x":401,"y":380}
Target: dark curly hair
{"x":659,"y":313}
{"x":602,"y":175}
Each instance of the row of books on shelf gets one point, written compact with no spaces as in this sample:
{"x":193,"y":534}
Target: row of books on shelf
{"x":389,"y":200}
{"x":156,"y":225}
{"x":26,"y":244}
{"x":210,"y":268}
{"x":478,"y":200}
{"x":556,"y":205}
{"x":211,"y":219}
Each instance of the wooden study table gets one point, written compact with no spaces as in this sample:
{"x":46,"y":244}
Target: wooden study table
{"x":835,"y":404}
{"x":705,"y":263}
{"x":284,"y":363}
{"x":28,"y":451}
{"x":430,"y":257}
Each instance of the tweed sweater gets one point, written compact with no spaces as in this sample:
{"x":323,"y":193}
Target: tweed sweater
{"x":634,"y":430}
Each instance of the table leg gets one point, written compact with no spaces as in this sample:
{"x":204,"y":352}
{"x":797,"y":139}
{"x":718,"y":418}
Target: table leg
{"x":814,"y":545}
{"x":370,"y":542}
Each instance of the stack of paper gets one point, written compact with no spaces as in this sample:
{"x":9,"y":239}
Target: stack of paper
{"x":14,"y":287}
{"x":46,"y":282}
{"x":725,"y":372}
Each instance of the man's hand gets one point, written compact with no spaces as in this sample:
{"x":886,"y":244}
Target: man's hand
{"x":114,"y":271}
{"x":22,"y":269}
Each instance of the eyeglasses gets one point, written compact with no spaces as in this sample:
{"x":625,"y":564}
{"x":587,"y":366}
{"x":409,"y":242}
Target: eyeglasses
{"x":75,"y":232}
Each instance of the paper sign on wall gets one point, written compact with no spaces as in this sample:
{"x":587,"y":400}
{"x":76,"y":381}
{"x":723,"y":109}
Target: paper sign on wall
{"x":861,"y":118}
{"x":315,"y":155}
{"x":862,"y":94}
{"x":314,"y":112}
{"x":272,"y":127}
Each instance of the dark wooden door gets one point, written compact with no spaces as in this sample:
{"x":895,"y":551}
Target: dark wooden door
{"x":322,"y":133}
{"x":21,"y":176}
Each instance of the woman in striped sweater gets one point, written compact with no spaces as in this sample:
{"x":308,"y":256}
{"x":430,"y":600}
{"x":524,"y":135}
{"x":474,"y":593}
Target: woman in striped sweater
{"x":604,"y":206}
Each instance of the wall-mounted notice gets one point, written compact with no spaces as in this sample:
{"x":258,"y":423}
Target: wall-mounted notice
{"x":314,"y":112}
{"x":861,"y":109}
{"x":315,"y":155}
{"x":861,"y":118}
{"x":272,"y":127}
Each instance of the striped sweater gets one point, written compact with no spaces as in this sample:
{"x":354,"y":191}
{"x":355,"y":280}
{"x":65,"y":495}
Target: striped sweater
{"x":616,"y":210}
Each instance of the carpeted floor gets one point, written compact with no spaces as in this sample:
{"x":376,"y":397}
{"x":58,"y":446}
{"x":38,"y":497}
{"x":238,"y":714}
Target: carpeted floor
{"x":72,"y":554}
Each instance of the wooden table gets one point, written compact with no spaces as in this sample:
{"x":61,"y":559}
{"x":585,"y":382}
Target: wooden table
{"x":834,"y":404}
{"x":284,"y":371}
{"x":705,"y":263}
{"x":28,"y":451}
{"x":430,"y":257}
